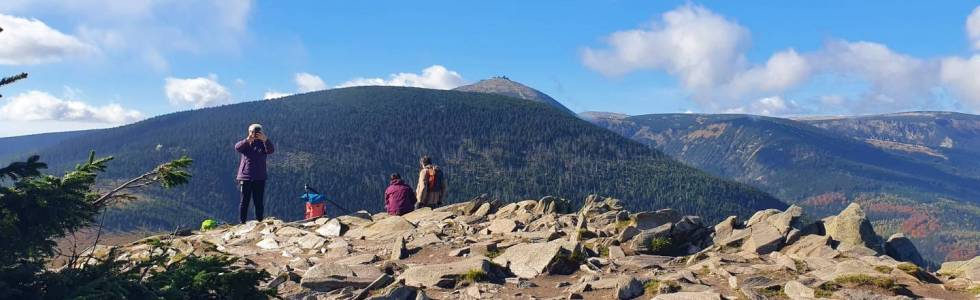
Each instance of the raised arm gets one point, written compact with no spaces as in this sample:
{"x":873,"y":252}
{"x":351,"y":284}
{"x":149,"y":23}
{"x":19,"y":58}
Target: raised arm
{"x":242,"y":146}
{"x":269,"y":147}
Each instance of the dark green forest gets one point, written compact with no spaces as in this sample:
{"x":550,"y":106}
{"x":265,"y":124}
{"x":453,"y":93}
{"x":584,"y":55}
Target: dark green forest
{"x":346,"y":141}
{"x":930,"y":194}
{"x":791,"y":159}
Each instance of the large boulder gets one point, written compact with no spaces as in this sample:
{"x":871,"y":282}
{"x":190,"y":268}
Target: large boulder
{"x":502,"y":226}
{"x":448,"y":275}
{"x":332,"y":228}
{"x":797,"y":291}
{"x":643,"y":242}
{"x":385,"y":229}
{"x":852,"y":229}
{"x":595,"y":205}
{"x":527,"y":260}
{"x":901,"y":248}
{"x":331,"y":276}
{"x":763,"y":239}
{"x":552,"y":205}
{"x":812,"y":246}
{"x":969,"y":269}
{"x":627,"y":287}
{"x":761,"y":216}
{"x":724,"y":229}
{"x":426,"y":214}
{"x":649,"y":220}
{"x":787,"y":220}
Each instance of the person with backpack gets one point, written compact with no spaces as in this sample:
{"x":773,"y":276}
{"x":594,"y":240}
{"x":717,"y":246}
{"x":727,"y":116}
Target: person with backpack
{"x":252,"y":171}
{"x":399,"y":197}
{"x":432,"y":184}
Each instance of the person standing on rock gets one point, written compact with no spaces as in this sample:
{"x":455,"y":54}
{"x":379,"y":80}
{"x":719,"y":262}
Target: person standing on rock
{"x":399,"y":197}
{"x":252,"y":170}
{"x":432,"y":184}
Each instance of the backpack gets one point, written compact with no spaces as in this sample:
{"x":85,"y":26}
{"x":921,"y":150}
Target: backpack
{"x":433,"y":179}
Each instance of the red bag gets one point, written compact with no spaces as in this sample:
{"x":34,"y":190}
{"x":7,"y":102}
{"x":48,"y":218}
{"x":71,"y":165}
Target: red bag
{"x":315,"y":210}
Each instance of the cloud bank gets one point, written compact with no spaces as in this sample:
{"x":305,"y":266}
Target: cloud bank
{"x":30,"y":41}
{"x":433,"y":77}
{"x":196,"y":92}
{"x":706,"y":52}
{"x":41,"y":106}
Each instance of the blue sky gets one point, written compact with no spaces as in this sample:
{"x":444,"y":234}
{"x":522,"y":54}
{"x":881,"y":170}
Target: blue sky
{"x":99,"y":63}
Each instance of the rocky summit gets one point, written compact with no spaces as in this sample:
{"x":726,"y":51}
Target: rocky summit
{"x":546,"y":249}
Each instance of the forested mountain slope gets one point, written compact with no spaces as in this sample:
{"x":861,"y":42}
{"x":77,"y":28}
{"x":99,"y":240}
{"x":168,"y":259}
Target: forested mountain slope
{"x":345,"y":142}
{"x":835,"y":162}
{"x":13,"y":147}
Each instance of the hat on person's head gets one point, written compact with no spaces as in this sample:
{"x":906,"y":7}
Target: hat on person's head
{"x":253,"y":127}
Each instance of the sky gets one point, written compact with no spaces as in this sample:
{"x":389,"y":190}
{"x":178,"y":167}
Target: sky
{"x":105,"y":63}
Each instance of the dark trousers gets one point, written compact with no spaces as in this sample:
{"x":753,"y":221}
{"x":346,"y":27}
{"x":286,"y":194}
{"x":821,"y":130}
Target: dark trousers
{"x":254,"y":191}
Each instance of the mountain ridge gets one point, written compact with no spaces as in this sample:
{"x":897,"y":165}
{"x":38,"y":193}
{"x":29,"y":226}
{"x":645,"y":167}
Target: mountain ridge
{"x":346,"y":141}
{"x":892,"y":163}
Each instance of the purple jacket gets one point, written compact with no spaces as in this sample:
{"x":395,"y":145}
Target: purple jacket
{"x":399,"y":198}
{"x":252,"y":164}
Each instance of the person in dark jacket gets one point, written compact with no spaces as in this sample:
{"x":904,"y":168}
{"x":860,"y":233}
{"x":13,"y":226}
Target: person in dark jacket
{"x":399,"y":197}
{"x":252,"y":171}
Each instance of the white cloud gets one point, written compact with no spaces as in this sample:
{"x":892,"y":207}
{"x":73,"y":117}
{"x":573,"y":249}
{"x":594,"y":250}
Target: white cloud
{"x":784,"y":70}
{"x":973,"y":28}
{"x":768,"y":106}
{"x":775,"y":105}
{"x":691,"y":42}
{"x":433,"y":77}
{"x":306,"y":82}
{"x":904,"y":79}
{"x":706,"y":53}
{"x":30,"y":41}
{"x":196,"y":92}
{"x":149,"y":31}
{"x":269,"y":95}
{"x":962,"y":76}
{"x":41,"y":106}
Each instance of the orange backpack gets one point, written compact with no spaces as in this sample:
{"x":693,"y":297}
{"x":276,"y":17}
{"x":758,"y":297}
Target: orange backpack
{"x":433,"y":180}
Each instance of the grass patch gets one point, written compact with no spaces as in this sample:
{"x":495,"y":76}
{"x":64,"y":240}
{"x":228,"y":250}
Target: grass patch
{"x":660,"y":245}
{"x":493,"y":253}
{"x":775,"y":291}
{"x":651,"y":287}
{"x":801,"y":266}
{"x":603,"y":251}
{"x":654,"y":287}
{"x":825,"y":290}
{"x":883,"y":269}
{"x":865,"y":280}
{"x":909,"y":268}
{"x":475,"y":275}
{"x":975,"y":290}
{"x":620,"y":225}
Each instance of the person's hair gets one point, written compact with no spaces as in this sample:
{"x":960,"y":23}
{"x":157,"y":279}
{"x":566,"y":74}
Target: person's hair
{"x":251,"y":128}
{"x":395,"y":176}
{"x":425,"y":160}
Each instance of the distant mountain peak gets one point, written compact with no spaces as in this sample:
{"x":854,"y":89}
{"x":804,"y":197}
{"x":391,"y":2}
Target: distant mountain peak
{"x":501,"y":85}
